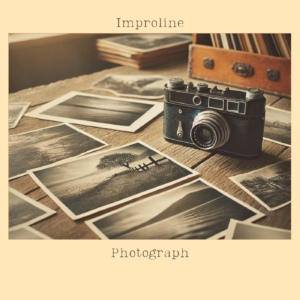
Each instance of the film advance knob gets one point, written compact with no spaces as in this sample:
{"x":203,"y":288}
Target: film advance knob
{"x":254,"y":93}
{"x":175,"y":83}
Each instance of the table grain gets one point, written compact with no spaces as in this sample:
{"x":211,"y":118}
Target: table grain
{"x":214,"y":168}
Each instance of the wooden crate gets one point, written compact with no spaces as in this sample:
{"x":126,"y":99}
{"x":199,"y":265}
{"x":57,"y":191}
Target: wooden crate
{"x":222,"y":70}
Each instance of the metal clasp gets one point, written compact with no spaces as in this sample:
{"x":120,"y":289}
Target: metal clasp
{"x":242,"y":69}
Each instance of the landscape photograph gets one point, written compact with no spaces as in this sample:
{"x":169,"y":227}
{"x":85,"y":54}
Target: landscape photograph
{"x":241,"y":231}
{"x":95,"y":182}
{"x":193,"y":211}
{"x":16,"y":111}
{"x":148,"y":42}
{"x":142,"y":86}
{"x":278,"y":126}
{"x":23,"y":210}
{"x":99,"y":111}
{"x":270,"y":186}
{"x":45,"y":146}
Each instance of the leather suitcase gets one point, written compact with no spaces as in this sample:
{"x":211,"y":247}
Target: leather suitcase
{"x":240,"y":69}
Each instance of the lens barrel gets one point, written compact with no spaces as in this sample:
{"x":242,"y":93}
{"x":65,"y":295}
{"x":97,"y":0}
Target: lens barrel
{"x":210,"y":130}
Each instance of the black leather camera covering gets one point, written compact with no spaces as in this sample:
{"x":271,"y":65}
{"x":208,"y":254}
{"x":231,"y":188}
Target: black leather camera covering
{"x":246,"y":131}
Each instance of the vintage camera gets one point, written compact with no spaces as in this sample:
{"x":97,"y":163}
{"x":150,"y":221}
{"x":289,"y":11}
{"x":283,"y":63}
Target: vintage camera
{"x":223,"y":121}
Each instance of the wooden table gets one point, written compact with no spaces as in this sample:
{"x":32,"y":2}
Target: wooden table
{"x":214,"y":168}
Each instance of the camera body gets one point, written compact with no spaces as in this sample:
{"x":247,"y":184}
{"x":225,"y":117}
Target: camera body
{"x":228,"y":122}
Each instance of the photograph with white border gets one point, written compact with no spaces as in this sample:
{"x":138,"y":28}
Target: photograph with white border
{"x":45,"y":146}
{"x":278,"y":126}
{"x":25,"y":211}
{"x":238,"y":230}
{"x":196,"y":210}
{"x":146,"y":42}
{"x":16,"y":111}
{"x":140,"y":86}
{"x":92,"y":183}
{"x":27,"y":233}
{"x":270,"y":186}
{"x":99,"y":111}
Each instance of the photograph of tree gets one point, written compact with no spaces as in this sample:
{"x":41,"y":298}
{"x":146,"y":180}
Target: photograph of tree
{"x":45,"y":146}
{"x":238,"y":230}
{"x":278,"y":126}
{"x":141,"y":86}
{"x":95,"y":182}
{"x":25,"y":211}
{"x":270,"y":186}
{"x":99,"y":111}
{"x":192,"y":211}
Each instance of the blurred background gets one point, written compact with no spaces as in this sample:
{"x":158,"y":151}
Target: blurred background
{"x":39,"y":59}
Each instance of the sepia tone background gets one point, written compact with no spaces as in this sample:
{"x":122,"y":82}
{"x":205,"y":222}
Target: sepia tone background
{"x":85,"y":269}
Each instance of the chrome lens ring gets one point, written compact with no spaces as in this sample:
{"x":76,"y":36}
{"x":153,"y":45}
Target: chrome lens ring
{"x":216,"y":124}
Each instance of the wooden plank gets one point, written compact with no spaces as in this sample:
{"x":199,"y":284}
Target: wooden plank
{"x":283,"y":103}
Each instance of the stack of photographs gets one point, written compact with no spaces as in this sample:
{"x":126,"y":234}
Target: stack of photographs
{"x":143,"y":50}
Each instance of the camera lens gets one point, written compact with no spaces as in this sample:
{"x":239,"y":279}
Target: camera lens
{"x":210,"y":130}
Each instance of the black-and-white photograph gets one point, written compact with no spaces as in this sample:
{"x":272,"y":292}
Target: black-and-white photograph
{"x":141,"y":86}
{"x":25,"y":211}
{"x":99,"y":111}
{"x":34,"y":149}
{"x":95,"y":182}
{"x":238,"y":230}
{"x":278,"y":126}
{"x":27,"y":233}
{"x":148,"y":42}
{"x":270,"y":186}
{"x":16,"y":111}
{"x":195,"y":210}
